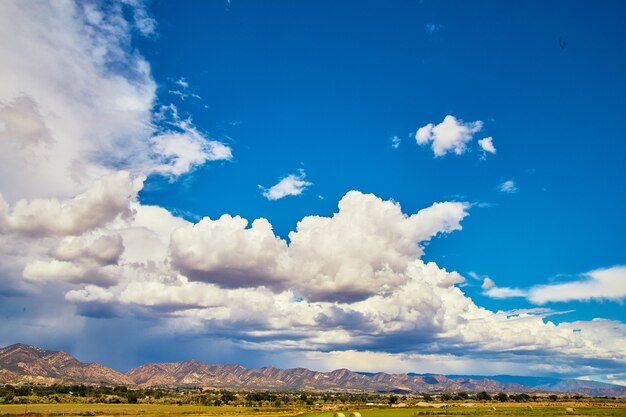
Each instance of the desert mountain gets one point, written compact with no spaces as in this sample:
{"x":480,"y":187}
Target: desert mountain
{"x":21,"y":363}
{"x":235,"y":376}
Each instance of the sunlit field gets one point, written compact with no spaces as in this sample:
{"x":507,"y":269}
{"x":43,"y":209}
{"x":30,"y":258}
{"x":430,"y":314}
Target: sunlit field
{"x":140,"y":409}
{"x":488,"y":410}
{"x":155,"y":410}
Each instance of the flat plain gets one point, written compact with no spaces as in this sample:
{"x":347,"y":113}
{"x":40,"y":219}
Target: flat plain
{"x":159,"y":410}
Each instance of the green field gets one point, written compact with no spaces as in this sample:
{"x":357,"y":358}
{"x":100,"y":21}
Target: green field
{"x":156,"y":410}
{"x":485,"y":410}
{"x":147,"y":410}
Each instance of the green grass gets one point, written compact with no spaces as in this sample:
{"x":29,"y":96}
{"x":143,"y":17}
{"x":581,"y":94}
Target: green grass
{"x":536,"y":411}
{"x":162,"y":410}
{"x":143,"y":410}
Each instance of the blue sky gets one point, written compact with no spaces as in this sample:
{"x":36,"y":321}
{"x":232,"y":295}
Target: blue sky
{"x":323,"y":87}
{"x":152,"y":121}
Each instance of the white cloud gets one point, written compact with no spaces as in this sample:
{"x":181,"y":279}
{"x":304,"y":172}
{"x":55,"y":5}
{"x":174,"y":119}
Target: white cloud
{"x":181,"y":152}
{"x":351,"y":284}
{"x":90,"y":293}
{"x":71,"y":272}
{"x":73,"y":115}
{"x":78,"y":106}
{"x":227,"y":253}
{"x":451,"y":135}
{"x":292,"y":184}
{"x":613,"y":378}
{"x":351,"y":281}
{"x":105,"y":249}
{"x":362,"y":250}
{"x":508,"y":187}
{"x":600,"y":284}
{"x":22,"y":123}
{"x":487,"y":284}
{"x":181,"y":82}
{"x":487,"y":145}
{"x":505,"y":292}
{"x":491,"y":290}
{"x":180,"y":147}
{"x":431,"y":28}
{"x":395,"y":142}
{"x":369,"y":361}
{"x":107,"y":198}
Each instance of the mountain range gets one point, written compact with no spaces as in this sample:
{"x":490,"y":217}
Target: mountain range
{"x":22,"y":363}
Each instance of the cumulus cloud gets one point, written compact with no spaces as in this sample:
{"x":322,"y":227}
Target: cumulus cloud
{"x":76,"y":122}
{"x":451,"y":135}
{"x":600,"y":284}
{"x":487,"y":145}
{"x":107,"y":198}
{"x":349,"y":282}
{"x":508,"y":187}
{"x":226,"y":252}
{"x":105,"y":249}
{"x":362,"y":250}
{"x":90,"y":293}
{"x":374,"y":361}
{"x":71,"y":272}
{"x":292,"y":184}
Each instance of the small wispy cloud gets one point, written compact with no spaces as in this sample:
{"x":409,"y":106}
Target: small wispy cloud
{"x":508,"y":187}
{"x":292,"y":184}
{"x":487,"y":146}
{"x":395,"y":142}
{"x":492,"y":291}
{"x":600,"y":284}
{"x":431,"y":28}
{"x":182,"y":90}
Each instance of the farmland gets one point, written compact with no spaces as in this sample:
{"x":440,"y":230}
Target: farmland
{"x":166,"y":410}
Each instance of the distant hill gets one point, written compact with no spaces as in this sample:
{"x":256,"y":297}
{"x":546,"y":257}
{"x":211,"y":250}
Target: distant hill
{"x":21,"y":363}
{"x":236,"y":376}
{"x":29,"y":364}
{"x":578,"y":386}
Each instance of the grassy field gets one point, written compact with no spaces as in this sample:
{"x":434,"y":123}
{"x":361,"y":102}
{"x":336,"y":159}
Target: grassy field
{"x":147,"y":410}
{"x":486,"y":410}
{"x":156,"y":410}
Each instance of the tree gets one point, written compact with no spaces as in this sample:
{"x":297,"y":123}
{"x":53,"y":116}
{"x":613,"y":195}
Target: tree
{"x":227,"y":397}
{"x":502,"y":397}
{"x":483,"y":396}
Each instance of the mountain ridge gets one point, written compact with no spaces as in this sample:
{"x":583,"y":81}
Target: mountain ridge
{"x":21,"y":363}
